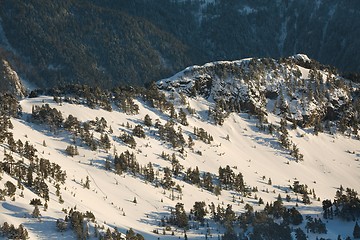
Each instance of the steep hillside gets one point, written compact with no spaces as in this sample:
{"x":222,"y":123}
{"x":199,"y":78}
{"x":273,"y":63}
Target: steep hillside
{"x":113,"y":42}
{"x":80,"y":42}
{"x":173,"y":162}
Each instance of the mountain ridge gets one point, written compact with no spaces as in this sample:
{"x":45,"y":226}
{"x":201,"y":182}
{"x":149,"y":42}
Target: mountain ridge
{"x":208,"y":168}
{"x":293,"y":84}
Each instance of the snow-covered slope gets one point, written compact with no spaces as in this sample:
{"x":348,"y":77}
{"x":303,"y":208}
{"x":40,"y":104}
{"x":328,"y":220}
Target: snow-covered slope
{"x":329,"y":160}
{"x":299,"y":87}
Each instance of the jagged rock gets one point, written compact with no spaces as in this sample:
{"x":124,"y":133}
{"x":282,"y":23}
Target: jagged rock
{"x":10,"y":81}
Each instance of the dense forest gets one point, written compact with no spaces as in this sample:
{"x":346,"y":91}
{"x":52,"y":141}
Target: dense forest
{"x":111,"y":42}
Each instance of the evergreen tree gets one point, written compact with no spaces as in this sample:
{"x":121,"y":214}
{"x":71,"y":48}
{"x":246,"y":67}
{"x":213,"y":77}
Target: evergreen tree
{"x":149,"y":172}
{"x":72,"y":124}
{"x":299,"y":234}
{"x":295,"y":216}
{"x":10,"y":188}
{"x":87,"y":183}
{"x":306,"y":198}
{"x":167,"y":181}
{"x":138,"y":131}
{"x":147,"y":120}
{"x":229,"y":234}
{"x":176,"y":166}
{"x":326,"y":208}
{"x":217,"y":190}
{"x":229,"y":216}
{"x":181,"y":219}
{"x":173,"y":114}
{"x":356,"y":232}
{"x":36,"y":212}
{"x":194,"y":176}
{"x":105,"y":141}
{"x":128,"y":139}
{"x":61,"y":225}
{"x":72,"y":150}
{"x":182,"y":118}
{"x":207,"y":182}
{"x":239,"y":184}
{"x":199,"y":211}
{"x":77,"y":222}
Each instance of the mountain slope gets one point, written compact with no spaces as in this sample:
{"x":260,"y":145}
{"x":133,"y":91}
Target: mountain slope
{"x":110,"y":177}
{"x":79,"y":42}
{"x":113,"y":42}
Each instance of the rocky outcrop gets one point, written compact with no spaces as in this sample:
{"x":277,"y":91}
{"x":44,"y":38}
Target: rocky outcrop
{"x":297,"y":88}
{"x":10,"y":81}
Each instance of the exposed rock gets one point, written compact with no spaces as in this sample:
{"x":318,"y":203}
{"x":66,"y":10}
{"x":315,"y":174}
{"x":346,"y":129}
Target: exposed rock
{"x":297,"y":88}
{"x":10,"y":81}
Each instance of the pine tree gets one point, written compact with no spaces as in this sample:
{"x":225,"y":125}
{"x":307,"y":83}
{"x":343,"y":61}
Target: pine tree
{"x":295,"y":216}
{"x":182,"y":117}
{"x":180,"y":216}
{"x":199,"y":211}
{"x":207,"y":181}
{"x":72,"y":150}
{"x":173,"y":114}
{"x":61,"y":201}
{"x":36,"y":212}
{"x":356,"y":232}
{"x":299,"y":234}
{"x":167,"y":181}
{"x":61,"y":225}
{"x":22,"y":233}
{"x":176,"y":166}
{"x":190,"y":142}
{"x":239,"y":184}
{"x":57,"y":186}
{"x":147,"y":120}
{"x":149,"y":172}
{"x":138,"y":131}
{"x":229,"y":216}
{"x":217,"y":190}
{"x":305,"y":198}
{"x":10,"y":188}
{"x":87,"y":183}
{"x":105,"y":141}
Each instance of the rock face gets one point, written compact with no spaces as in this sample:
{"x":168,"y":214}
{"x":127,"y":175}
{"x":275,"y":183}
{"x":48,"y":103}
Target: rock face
{"x":112,"y":42}
{"x":297,"y":88}
{"x":10,"y":81}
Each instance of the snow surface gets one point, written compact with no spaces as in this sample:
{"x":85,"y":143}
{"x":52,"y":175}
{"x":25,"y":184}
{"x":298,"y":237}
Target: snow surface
{"x":329,"y":161}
